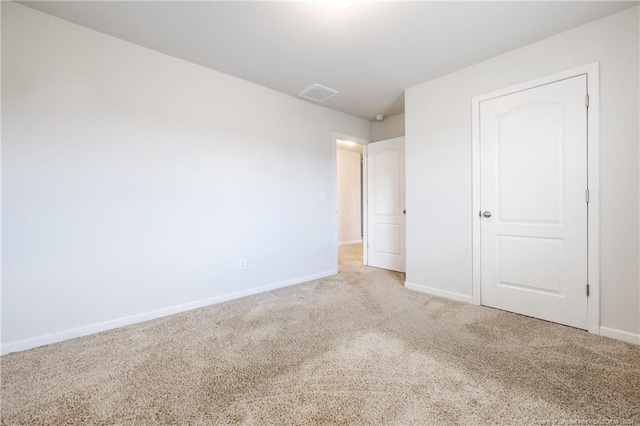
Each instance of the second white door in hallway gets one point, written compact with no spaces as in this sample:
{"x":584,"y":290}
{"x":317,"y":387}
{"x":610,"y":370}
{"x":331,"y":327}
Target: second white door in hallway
{"x":386,"y":204}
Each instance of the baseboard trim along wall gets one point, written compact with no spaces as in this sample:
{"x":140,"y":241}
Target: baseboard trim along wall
{"x":440,"y":293}
{"x":47,"y":339}
{"x":612,"y":333}
{"x":625,"y":336}
{"x":346,"y":243}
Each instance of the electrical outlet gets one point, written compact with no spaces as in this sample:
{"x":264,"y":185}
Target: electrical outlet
{"x":243,"y":263}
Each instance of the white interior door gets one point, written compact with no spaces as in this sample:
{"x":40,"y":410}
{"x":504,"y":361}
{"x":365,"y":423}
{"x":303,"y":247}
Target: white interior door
{"x":386,"y":200}
{"x":533,"y":171}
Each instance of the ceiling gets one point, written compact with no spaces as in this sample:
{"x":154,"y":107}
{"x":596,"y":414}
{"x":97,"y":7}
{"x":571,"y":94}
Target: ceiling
{"x":348,"y":145}
{"x":368,"y":51}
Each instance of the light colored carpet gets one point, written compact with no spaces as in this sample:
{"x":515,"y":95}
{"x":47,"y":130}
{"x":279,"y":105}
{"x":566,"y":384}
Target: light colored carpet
{"x":356,"y":348}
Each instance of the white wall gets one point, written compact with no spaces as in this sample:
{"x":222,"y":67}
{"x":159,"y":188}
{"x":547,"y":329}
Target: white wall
{"x":438,"y":135}
{"x":349,"y":196}
{"x":134,"y":182}
{"x":391,"y":127}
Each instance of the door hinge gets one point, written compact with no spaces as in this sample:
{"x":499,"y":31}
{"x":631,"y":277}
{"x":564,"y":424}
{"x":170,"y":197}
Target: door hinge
{"x":586,"y":195}
{"x":586,"y":101}
{"x":587,"y":290}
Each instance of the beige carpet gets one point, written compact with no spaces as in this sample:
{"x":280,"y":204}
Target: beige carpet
{"x":356,"y":348}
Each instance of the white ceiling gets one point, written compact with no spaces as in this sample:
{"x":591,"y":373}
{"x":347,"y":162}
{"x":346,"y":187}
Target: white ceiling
{"x":369,"y":51}
{"x":348,"y":145}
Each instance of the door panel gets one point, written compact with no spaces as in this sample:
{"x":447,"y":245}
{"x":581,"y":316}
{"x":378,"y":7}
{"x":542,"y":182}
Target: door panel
{"x":519,"y":260}
{"x":386,"y":165}
{"x":533,"y":154}
{"x":386,"y":197}
{"x":388,"y":238}
{"x":530,"y":162}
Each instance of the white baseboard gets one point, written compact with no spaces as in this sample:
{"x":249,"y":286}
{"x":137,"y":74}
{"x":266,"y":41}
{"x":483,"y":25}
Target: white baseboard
{"x":437,"y":292}
{"x":613,"y":333}
{"x":346,"y":243}
{"x":625,"y":336}
{"x":86,"y":330}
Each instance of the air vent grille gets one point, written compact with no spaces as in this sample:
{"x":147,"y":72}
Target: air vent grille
{"x":317,"y":93}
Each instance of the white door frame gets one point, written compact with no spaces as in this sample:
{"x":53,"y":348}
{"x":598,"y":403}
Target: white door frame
{"x":364,"y":224}
{"x":593,"y":181}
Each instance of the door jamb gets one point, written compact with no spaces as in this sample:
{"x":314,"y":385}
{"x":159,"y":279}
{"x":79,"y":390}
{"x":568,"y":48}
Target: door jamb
{"x":363,"y":142}
{"x":593,"y":182}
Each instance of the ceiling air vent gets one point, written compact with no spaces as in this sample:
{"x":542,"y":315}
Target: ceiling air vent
{"x":317,"y":93}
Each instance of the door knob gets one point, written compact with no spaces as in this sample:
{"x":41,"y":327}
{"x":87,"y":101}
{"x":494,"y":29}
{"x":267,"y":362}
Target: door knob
{"x":486,"y":213}
{"x":404,"y":212}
